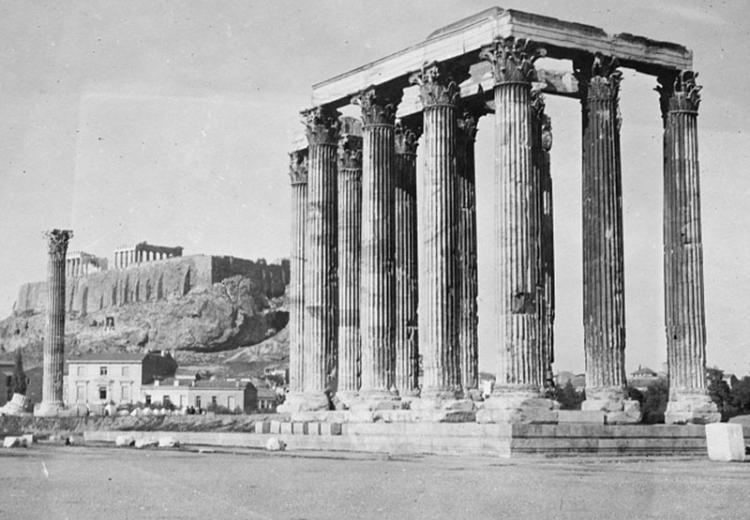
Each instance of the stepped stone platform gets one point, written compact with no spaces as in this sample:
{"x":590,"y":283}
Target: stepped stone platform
{"x":458,"y":438}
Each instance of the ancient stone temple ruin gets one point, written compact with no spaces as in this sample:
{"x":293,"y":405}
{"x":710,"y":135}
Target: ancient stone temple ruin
{"x":143,"y":252}
{"x":384,"y":263}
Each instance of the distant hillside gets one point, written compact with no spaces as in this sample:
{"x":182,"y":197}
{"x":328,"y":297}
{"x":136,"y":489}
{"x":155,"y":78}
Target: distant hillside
{"x":204,"y":322}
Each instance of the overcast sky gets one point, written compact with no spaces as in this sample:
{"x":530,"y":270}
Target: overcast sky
{"x":171,"y":121}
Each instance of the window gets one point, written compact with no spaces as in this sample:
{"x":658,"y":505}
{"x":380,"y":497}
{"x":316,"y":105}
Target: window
{"x":148,"y":398}
{"x":182,"y":401}
{"x":125,"y":371}
{"x":125,"y":392}
{"x":197,"y":401}
{"x":166,"y":401}
{"x":80,"y":393}
{"x":79,"y":370}
{"x":213,"y":400}
{"x":103,"y":392}
{"x":102,"y":371}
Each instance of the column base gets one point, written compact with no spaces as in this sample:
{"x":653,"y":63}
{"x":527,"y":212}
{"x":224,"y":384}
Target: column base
{"x":304,"y":402}
{"x":371,"y":400}
{"x":52,"y":409}
{"x":612,"y":401}
{"x":518,"y":406}
{"x":695,"y":408}
{"x":343,"y":400}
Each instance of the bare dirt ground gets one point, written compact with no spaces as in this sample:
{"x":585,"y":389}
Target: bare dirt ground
{"x":53,"y":482}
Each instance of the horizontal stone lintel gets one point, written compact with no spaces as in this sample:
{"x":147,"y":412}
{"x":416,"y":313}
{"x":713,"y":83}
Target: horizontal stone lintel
{"x":563,"y":40}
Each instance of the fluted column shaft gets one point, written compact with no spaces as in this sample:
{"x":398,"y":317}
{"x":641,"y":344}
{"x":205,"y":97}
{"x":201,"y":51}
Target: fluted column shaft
{"x":321,"y":291}
{"x":349,"y":236}
{"x":437,"y":232}
{"x":547,"y":252}
{"x":377,"y":309}
{"x":296,"y":293}
{"x":683,"y":248}
{"x":603,"y":278}
{"x":467,"y":251}
{"x":406,"y":337}
{"x":54,"y":339}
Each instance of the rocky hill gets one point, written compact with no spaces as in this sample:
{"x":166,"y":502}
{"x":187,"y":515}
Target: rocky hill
{"x":206,"y":325}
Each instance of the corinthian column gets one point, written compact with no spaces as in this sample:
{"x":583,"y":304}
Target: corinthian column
{"x":467,"y":244}
{"x":407,"y":353}
{"x":603,"y":279}
{"x":296,"y":293}
{"x":377,"y":275}
{"x":683,"y":255}
{"x":438,"y":222}
{"x":517,"y":393}
{"x":350,"y":218}
{"x":321,"y":312}
{"x":54,"y":338}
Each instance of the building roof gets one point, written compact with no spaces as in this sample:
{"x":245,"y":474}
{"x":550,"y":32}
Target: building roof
{"x":266,"y":393}
{"x":105,"y":357}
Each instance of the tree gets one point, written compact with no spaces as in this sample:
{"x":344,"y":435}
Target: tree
{"x":568,"y":397}
{"x":740,"y":396}
{"x":654,"y":402}
{"x":19,"y":376}
{"x":720,"y":393}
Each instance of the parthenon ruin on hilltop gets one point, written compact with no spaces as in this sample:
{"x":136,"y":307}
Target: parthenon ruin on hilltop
{"x":384,"y":264}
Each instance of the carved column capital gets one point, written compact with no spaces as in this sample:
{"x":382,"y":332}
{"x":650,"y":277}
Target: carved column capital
{"x":58,"y":242}
{"x":679,"y":92}
{"x":439,"y":83}
{"x":407,"y":136}
{"x":378,"y":105}
{"x":321,"y":125}
{"x":513,"y":59}
{"x":350,"y":152}
{"x":350,"y":144}
{"x":599,"y":77}
{"x":298,"y":166}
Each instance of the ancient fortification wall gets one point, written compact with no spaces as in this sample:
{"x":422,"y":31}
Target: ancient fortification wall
{"x":152,"y":281}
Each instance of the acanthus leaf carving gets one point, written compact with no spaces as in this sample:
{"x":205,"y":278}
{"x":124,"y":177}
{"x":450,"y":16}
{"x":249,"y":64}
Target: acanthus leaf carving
{"x":513,"y":59}
{"x":679,"y":92}
{"x":438,"y":84}
{"x":350,"y":152}
{"x":407,"y":137}
{"x":298,"y":166}
{"x":57,"y":241}
{"x":321,"y":125}
{"x":599,"y":77}
{"x":378,"y":105}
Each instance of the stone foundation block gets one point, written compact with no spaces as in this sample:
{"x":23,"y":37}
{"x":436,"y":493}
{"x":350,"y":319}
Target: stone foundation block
{"x":274,"y":427}
{"x":725,"y":442}
{"x":534,"y":415}
{"x":313,"y":428}
{"x":691,"y":409}
{"x":336,"y":428}
{"x":285,"y":428}
{"x":299,"y":428}
{"x":265,"y":427}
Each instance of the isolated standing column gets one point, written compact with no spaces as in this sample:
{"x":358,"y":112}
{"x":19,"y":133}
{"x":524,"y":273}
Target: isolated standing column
{"x":683,"y":255}
{"x":54,"y":338}
{"x":406,"y":335}
{"x":349,"y":236}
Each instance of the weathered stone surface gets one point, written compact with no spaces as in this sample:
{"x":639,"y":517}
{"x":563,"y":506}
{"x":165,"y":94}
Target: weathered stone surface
{"x":580,"y":416}
{"x":725,"y":442}
{"x":696,"y":408}
{"x":228,"y":315}
{"x":124,"y":440}
{"x":168,"y":442}
{"x":275,"y":444}
{"x":145,"y":443}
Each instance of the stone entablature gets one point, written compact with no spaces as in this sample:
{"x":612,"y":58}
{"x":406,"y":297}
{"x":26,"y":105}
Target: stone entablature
{"x":154,"y":281}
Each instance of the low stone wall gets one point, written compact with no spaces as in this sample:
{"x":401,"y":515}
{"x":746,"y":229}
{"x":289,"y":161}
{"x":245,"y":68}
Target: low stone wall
{"x":17,"y":425}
